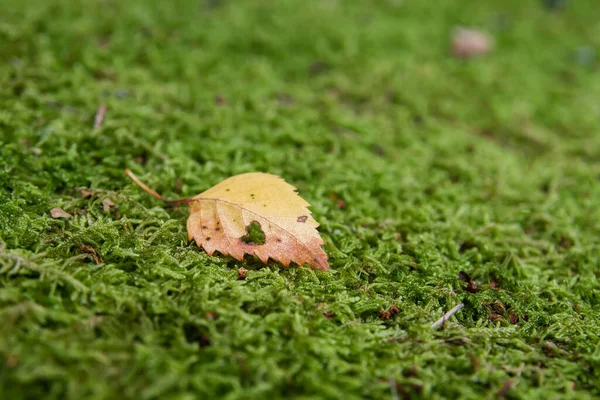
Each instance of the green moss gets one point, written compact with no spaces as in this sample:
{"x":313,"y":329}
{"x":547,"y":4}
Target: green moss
{"x":417,"y":166}
{"x":254,"y":234}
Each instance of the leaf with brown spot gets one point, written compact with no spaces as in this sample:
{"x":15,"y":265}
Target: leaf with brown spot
{"x":223,"y":217}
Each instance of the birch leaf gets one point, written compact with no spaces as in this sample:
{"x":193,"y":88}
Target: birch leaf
{"x":221,"y":219}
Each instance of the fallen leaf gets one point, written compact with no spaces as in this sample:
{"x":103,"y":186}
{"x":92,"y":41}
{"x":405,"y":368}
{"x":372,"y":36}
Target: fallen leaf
{"x":495,"y":317}
{"x":85,"y":193}
{"x":107,"y":205}
{"x":58,"y":212}
{"x":384,"y":315}
{"x":471,"y":284}
{"x":394,"y":310}
{"x":95,"y":254}
{"x":469,"y":43}
{"x":387,"y":314}
{"x":221,"y":219}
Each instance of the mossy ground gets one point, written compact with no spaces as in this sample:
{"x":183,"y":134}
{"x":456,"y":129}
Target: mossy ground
{"x":417,"y":165}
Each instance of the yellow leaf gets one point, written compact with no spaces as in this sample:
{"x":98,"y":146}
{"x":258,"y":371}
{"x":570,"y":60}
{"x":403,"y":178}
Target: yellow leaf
{"x":220,"y":220}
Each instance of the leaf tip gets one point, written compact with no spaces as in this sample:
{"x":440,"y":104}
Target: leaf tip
{"x":323,"y":266}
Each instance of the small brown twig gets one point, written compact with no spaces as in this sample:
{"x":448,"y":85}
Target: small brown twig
{"x":100,"y":116}
{"x":445,"y":317}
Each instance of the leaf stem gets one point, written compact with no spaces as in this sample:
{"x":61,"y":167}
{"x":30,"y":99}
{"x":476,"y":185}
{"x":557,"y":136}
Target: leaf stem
{"x":141,"y":184}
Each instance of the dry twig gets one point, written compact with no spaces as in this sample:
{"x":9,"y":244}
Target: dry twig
{"x":445,"y":317}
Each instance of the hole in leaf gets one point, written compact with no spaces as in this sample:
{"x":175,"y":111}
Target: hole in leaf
{"x":255,"y":234}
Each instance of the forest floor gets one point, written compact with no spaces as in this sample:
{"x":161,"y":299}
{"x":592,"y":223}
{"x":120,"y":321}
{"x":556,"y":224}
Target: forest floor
{"x":436,"y":181}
